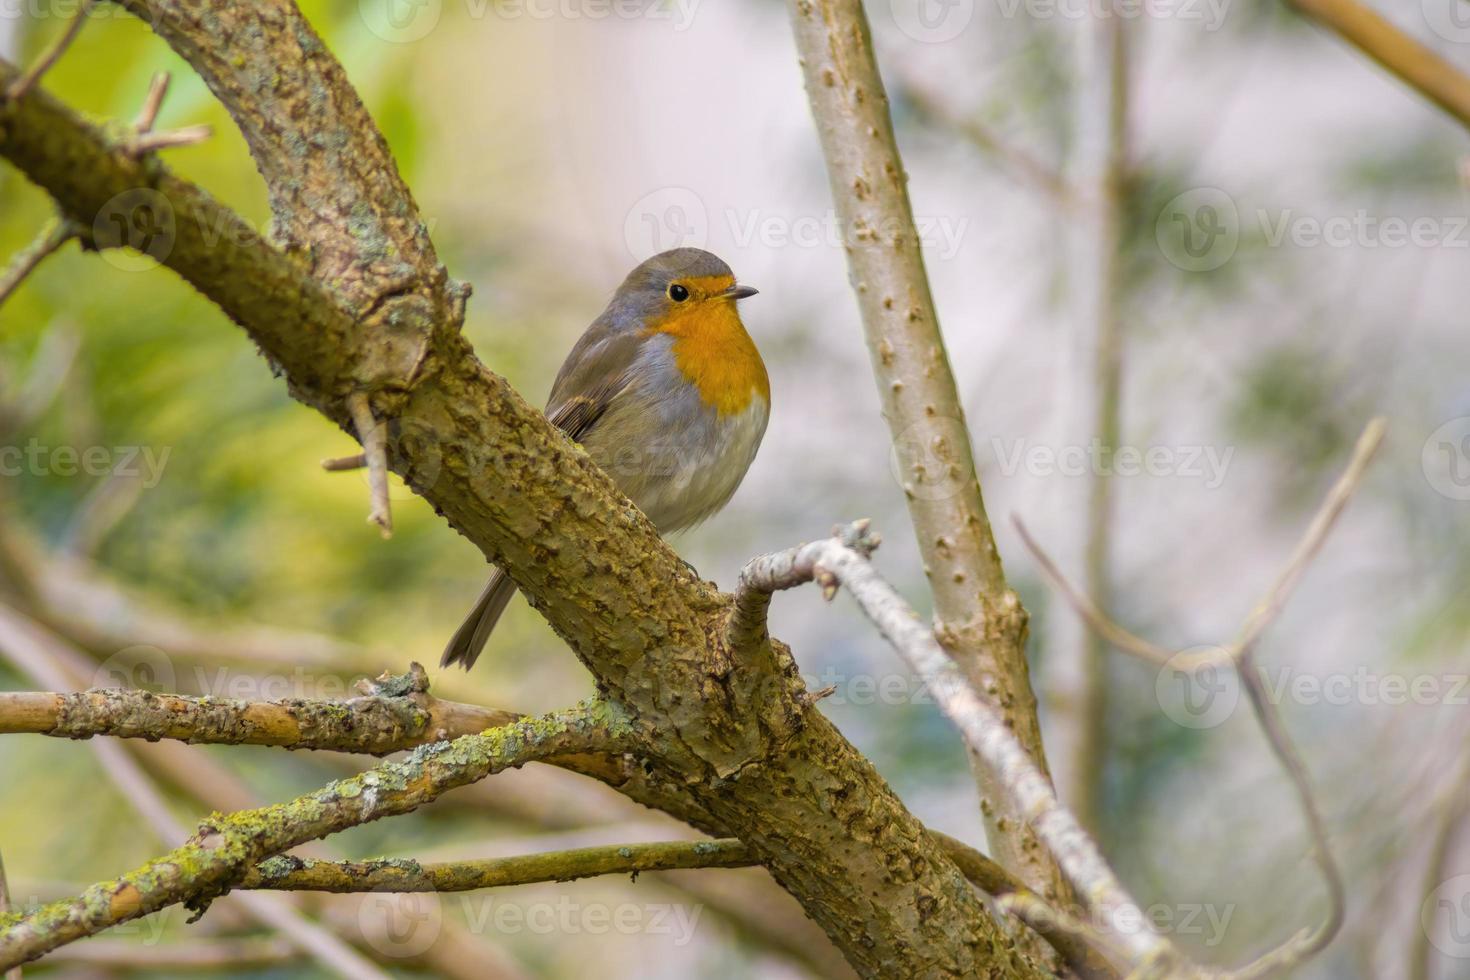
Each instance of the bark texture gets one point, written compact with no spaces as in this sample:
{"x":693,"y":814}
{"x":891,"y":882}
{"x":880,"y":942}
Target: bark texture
{"x":362,"y":305}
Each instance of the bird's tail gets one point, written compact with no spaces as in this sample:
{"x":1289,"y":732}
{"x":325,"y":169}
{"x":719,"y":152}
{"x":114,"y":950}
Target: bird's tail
{"x":464,"y":649}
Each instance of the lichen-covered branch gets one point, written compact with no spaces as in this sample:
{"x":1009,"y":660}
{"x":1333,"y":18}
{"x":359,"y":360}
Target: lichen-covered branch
{"x":287,"y":873}
{"x":376,"y":725}
{"x":978,"y":617}
{"x":226,"y":847}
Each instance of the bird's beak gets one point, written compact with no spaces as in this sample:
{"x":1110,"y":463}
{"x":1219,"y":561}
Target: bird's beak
{"x":740,"y":292}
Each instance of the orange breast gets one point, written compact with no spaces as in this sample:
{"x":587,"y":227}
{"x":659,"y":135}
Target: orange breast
{"x":713,"y":351}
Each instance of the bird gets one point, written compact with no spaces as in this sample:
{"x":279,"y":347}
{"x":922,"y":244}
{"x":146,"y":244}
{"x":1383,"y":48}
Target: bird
{"x":667,"y":392}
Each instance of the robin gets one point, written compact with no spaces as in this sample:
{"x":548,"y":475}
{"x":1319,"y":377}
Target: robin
{"x":666,"y":391}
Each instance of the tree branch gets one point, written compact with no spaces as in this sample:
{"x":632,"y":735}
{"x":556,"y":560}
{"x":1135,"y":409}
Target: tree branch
{"x":395,"y":875}
{"x":375,"y":725}
{"x":226,"y":847}
{"x":365,"y":309}
{"x":57,"y":233}
{"x":1240,"y":654}
{"x":1413,"y":63}
{"x":845,"y":558}
{"x":978,"y":617}
{"x":20,"y":87}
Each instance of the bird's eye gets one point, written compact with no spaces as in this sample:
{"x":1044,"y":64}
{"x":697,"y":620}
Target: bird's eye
{"x":678,"y":293}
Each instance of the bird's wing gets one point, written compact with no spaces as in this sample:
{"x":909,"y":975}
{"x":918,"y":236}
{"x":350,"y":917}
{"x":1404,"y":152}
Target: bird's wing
{"x":597,"y":370}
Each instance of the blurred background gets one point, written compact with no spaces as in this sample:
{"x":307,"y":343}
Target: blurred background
{"x":1282,"y":256}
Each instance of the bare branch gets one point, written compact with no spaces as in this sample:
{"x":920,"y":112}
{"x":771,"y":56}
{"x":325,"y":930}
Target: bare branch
{"x":342,"y":464}
{"x":374,"y":438}
{"x":1414,"y":64}
{"x":1027,"y":168}
{"x":21,"y":87}
{"x":1316,"y":534}
{"x":984,"y":729}
{"x":394,"y":875}
{"x":1241,"y":655}
{"x":1100,"y":621}
{"x":157,"y":90}
{"x":57,"y":233}
{"x":1454,"y":808}
{"x":225,"y":848}
{"x":979,"y":618}
{"x":145,"y":143}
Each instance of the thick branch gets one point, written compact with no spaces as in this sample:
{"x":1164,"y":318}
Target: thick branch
{"x":748,"y":753}
{"x":226,"y":847}
{"x":978,"y":617}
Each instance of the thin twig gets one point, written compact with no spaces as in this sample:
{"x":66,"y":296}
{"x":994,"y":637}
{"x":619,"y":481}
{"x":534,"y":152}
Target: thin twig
{"x":57,"y":233}
{"x":168,"y":139}
{"x":1241,"y":655}
{"x":1316,"y":534}
{"x":374,"y":438}
{"x":1104,"y":625}
{"x":395,"y":875}
{"x":26,"y":82}
{"x":1026,"y":167}
{"x":1414,"y":64}
{"x":1454,"y":809}
{"x":157,"y":90}
{"x":341,"y":464}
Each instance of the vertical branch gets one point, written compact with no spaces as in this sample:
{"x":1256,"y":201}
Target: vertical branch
{"x":14,"y":972}
{"x":374,"y":438}
{"x":19,"y":88}
{"x":1103,"y":310}
{"x":1454,"y":809}
{"x":979,"y":618}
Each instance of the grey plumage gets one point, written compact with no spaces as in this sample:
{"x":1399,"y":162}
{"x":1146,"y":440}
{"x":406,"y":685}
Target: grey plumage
{"x":620,"y":394}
